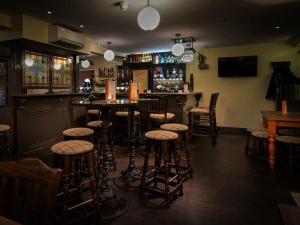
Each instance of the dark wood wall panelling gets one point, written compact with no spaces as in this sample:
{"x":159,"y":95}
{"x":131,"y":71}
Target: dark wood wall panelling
{"x":35,"y":123}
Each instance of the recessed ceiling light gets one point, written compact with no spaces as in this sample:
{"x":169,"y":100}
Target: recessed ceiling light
{"x":49,"y":12}
{"x":81,"y":26}
{"x":277,"y":27}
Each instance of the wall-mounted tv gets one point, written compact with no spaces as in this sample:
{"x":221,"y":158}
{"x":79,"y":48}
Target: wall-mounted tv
{"x":242,"y":66}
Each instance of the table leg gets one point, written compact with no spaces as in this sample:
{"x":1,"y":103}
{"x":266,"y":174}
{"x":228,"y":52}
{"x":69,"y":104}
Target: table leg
{"x":272,"y":133}
{"x":131,"y":173}
{"x":111,"y":205}
{"x":105,"y":191}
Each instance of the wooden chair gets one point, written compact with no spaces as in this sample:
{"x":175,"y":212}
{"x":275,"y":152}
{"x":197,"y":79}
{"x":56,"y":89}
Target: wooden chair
{"x":158,"y":111}
{"x":28,"y":191}
{"x":203,"y":121}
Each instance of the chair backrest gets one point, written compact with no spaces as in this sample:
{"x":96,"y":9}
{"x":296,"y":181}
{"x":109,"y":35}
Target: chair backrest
{"x":28,"y":190}
{"x":213,"y":101}
{"x":159,"y":106}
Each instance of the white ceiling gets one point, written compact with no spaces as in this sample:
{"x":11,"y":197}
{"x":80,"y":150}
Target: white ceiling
{"x":212,"y":22}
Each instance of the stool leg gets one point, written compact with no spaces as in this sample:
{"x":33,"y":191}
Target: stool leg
{"x":177,"y":165}
{"x":66,"y":178}
{"x":91,"y":174}
{"x":187,"y":154}
{"x":145,"y":167}
{"x":166,"y":168}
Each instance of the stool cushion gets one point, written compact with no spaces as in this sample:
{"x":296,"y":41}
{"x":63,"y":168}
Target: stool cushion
{"x":72,"y":147}
{"x":288,"y":139}
{"x":161,"y":135}
{"x":260,"y":134}
{"x":78,"y":132}
{"x":125,"y":113}
{"x":176,"y":127}
{"x":4,"y":127}
{"x":94,"y":112}
{"x":161,"y":116}
{"x":199,"y":110}
{"x":96,"y":123}
{"x":250,"y":130}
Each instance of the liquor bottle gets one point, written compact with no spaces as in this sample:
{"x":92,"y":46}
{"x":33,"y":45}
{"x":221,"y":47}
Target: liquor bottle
{"x":180,"y":73}
{"x":156,"y":59}
{"x":174,"y":74}
{"x":162,"y":59}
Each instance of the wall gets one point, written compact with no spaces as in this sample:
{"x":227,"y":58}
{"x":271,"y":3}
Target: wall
{"x":241,"y":99}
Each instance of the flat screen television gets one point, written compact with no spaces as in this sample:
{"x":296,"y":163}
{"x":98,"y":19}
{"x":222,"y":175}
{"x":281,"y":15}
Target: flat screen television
{"x":242,"y":66}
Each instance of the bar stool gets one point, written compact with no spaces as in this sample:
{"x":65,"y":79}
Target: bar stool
{"x":260,"y":144}
{"x":292,"y":143}
{"x":165,"y":145}
{"x":96,"y":126}
{"x":78,"y":133}
{"x":249,"y":146}
{"x":122,"y":115}
{"x":70,"y":151}
{"x":158,"y":111}
{"x":181,"y":129}
{"x":93,"y":114}
{"x":289,"y":132}
{"x":203,"y":121}
{"x":4,"y":135}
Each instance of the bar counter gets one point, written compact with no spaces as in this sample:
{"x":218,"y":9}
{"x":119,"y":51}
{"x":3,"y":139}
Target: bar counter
{"x":40,"y":119}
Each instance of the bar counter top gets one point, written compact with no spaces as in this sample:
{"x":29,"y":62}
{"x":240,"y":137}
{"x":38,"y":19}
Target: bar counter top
{"x":81,"y":94}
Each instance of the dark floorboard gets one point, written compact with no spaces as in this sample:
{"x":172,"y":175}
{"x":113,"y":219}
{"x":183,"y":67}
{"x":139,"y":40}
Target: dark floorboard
{"x":228,"y":188}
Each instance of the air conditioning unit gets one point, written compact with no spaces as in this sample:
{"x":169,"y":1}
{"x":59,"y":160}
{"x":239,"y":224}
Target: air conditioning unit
{"x":64,"y":37}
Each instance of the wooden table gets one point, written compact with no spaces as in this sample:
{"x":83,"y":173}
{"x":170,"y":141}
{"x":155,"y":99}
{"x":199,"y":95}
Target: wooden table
{"x":272,"y":120}
{"x":6,"y":221}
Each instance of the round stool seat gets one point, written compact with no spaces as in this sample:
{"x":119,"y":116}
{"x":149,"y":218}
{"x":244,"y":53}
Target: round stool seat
{"x":72,"y":147}
{"x":161,"y":135}
{"x":161,"y":116}
{"x":78,"y":132}
{"x":95,"y":112}
{"x":175,"y":127}
{"x":199,"y":110}
{"x":125,"y":113}
{"x":288,"y":139}
{"x":96,"y":124}
{"x":4,"y":127}
{"x":256,"y":129}
{"x":260,"y":134}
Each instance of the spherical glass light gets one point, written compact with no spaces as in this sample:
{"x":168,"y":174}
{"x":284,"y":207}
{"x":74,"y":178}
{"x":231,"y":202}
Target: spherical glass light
{"x":57,"y":66}
{"x":28,"y":62}
{"x":148,"y":18}
{"x":85,"y":64}
{"x":109,"y":55}
{"x":178,"y":49}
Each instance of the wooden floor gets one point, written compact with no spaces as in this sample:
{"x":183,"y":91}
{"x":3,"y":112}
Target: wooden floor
{"x":228,"y":188}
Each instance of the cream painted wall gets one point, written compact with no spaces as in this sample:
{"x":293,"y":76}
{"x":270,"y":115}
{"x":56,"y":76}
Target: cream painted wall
{"x":99,"y":61}
{"x":241,"y":99}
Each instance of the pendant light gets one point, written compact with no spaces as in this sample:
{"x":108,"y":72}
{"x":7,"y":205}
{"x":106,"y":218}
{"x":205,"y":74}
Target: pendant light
{"x":109,"y":55}
{"x":28,"y":61}
{"x":178,"y":47}
{"x":57,"y":66}
{"x":85,"y":63}
{"x":148,"y":18}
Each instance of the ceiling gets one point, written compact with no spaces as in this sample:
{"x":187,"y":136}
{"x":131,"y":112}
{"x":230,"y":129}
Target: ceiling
{"x":213,"y":23}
